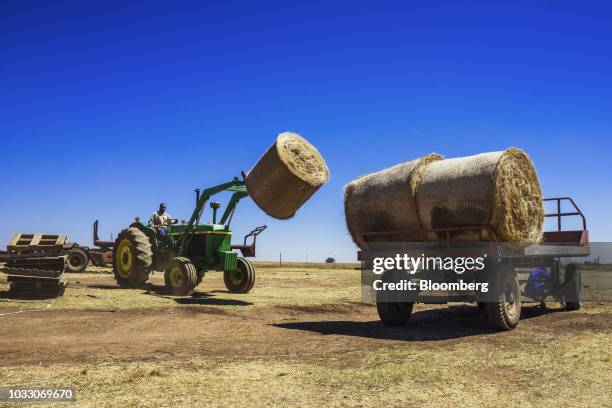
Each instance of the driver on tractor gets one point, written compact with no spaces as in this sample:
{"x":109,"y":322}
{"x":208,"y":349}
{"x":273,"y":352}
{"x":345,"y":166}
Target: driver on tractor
{"x":160,"y":220}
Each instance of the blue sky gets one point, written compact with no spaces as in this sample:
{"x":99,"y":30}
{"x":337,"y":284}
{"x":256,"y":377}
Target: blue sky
{"x":108,"y":108}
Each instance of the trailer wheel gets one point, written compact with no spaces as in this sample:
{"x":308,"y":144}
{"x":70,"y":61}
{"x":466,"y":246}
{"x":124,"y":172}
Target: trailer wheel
{"x":180,"y":276}
{"x":242,"y":279}
{"x":572,"y":287}
{"x":505,"y":313}
{"x":77,"y":260}
{"x":132,"y":258}
{"x":393,"y":310}
{"x":394,"y":313}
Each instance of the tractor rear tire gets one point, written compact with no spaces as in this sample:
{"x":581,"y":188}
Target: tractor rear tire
{"x":132,"y":258}
{"x":572,"y":287}
{"x":180,"y":276}
{"x":505,"y":313}
{"x":77,"y":260}
{"x":242,"y":279}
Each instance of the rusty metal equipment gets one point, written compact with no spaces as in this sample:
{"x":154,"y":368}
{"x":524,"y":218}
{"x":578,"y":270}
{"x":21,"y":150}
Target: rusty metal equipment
{"x":102,"y":255}
{"x":34,"y":275}
{"x":50,"y":245}
{"x":35,"y":263}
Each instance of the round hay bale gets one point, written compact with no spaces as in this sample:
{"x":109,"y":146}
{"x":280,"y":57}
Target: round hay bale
{"x":497,"y":189}
{"x":385,"y":202}
{"x":286,"y":176}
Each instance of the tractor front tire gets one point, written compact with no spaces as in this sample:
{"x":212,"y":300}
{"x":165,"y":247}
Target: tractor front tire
{"x":505,"y":313}
{"x":132,"y":258}
{"x":77,"y":260}
{"x":180,"y":276}
{"x":572,"y":287}
{"x":242,"y":279}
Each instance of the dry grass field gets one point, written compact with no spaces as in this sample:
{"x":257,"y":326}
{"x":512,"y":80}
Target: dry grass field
{"x":302,"y":337}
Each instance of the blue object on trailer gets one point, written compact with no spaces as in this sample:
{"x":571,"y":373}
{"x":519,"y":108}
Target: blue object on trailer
{"x":538,"y":284}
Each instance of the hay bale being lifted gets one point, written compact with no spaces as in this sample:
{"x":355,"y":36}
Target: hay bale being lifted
{"x":286,"y":176}
{"x":385,"y":202}
{"x":498,"y":189}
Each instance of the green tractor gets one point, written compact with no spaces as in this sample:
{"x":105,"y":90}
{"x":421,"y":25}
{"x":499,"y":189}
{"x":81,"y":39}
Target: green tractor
{"x":188,"y":250}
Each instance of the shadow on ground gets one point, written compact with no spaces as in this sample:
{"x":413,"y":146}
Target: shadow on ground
{"x":196,"y":298}
{"x":428,"y":325}
{"x":30,"y":295}
{"x":201,"y":298}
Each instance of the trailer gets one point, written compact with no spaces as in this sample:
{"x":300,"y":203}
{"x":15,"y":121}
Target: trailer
{"x":509,"y":267}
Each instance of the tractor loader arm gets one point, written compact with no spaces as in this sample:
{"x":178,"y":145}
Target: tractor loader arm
{"x":236,"y":186}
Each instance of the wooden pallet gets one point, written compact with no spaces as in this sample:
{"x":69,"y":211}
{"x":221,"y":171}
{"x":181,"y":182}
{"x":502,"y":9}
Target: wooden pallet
{"x":35,"y":242}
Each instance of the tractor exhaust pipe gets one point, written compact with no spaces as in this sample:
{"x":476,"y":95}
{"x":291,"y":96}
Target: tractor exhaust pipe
{"x":215,"y":207}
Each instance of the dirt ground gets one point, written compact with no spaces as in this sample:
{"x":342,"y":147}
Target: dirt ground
{"x":302,"y":337}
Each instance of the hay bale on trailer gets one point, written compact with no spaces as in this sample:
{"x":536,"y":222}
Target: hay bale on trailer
{"x":286,"y":176}
{"x":385,"y":202}
{"x":497,"y":189}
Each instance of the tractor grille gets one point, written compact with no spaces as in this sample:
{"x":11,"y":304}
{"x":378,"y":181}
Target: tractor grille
{"x":230,"y":261}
